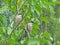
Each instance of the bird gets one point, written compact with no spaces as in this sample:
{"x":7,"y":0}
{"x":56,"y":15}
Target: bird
{"x":28,"y":29}
{"x":18,"y":20}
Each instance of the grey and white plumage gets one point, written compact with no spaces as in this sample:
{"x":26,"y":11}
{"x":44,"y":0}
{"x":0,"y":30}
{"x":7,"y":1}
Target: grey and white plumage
{"x":28,"y":29}
{"x":18,"y":19}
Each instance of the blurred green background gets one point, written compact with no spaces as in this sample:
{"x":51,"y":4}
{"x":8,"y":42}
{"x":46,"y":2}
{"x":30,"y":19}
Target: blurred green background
{"x":44,"y":13}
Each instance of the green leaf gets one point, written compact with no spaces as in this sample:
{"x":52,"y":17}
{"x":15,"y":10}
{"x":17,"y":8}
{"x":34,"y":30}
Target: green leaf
{"x":46,"y":35}
{"x":44,"y":19}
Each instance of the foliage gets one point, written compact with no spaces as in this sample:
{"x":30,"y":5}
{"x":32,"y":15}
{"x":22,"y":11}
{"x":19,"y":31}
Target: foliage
{"x":44,"y":13}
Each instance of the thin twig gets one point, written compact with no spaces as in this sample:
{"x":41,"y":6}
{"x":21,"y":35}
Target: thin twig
{"x":21,"y":5}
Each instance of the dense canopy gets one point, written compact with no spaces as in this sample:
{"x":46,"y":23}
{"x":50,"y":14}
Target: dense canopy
{"x":16,"y":17}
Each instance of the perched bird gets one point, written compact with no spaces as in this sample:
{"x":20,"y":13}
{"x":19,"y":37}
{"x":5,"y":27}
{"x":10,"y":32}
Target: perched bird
{"x":28,"y":29}
{"x":18,"y":19}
